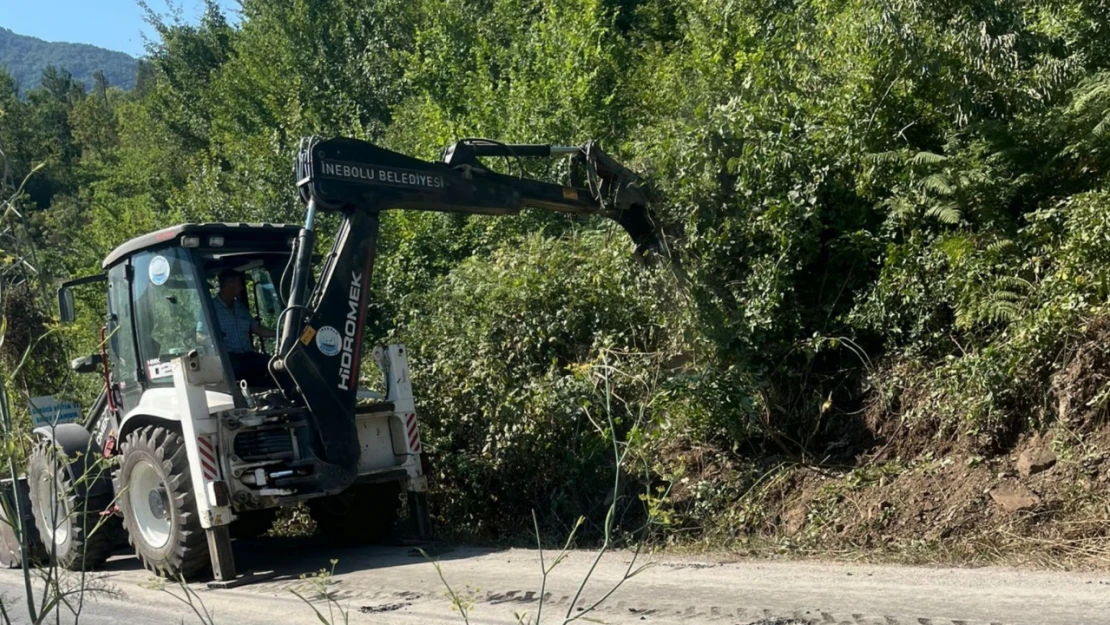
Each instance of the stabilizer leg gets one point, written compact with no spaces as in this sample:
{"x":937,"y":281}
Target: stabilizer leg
{"x":219,"y":547}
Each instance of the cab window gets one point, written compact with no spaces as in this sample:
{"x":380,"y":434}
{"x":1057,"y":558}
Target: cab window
{"x":168,"y":310}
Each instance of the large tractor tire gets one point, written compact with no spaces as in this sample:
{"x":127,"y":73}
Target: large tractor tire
{"x":159,"y":508}
{"x":361,"y":514}
{"x":67,"y":518}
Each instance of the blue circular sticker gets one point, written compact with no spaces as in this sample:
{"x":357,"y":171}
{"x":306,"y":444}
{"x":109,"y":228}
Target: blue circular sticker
{"x":328,"y":341}
{"x":159,"y":270}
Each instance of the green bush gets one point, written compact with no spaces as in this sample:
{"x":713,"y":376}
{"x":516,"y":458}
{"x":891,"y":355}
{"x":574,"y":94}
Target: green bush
{"x":501,"y":351}
{"x":891,"y":215}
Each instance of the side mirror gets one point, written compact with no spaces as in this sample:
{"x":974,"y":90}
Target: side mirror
{"x":67,"y":311}
{"x":87,"y":364}
{"x":66,"y":308}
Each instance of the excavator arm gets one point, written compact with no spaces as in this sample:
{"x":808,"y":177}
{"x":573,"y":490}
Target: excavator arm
{"x":349,"y":175}
{"x":320,"y":341}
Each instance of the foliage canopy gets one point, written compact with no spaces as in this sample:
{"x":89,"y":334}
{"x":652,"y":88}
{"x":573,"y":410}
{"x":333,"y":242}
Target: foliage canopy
{"x":889,"y":211}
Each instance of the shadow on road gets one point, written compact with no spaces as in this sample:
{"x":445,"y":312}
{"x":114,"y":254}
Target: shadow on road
{"x":288,"y":558}
{"x":293,"y":556}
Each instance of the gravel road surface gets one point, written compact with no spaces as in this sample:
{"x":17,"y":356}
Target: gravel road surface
{"x":397,"y":585}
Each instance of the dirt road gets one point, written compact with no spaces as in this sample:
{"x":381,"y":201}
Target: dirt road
{"x":397,"y":585}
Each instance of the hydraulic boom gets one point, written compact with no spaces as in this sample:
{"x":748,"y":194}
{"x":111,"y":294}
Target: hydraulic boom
{"x":320,"y":338}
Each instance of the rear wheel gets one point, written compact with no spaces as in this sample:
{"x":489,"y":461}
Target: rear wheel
{"x":68,"y":520}
{"x":360,"y":514}
{"x":159,"y":508}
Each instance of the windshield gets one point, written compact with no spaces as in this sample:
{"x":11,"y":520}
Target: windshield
{"x":168,"y":310}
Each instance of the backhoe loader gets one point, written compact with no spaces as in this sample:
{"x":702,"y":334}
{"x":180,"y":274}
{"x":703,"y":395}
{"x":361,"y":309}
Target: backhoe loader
{"x":201,"y":451}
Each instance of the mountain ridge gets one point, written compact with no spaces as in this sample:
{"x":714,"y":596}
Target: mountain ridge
{"x":26,"y":57}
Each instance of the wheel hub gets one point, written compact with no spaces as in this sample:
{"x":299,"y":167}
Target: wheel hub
{"x":158,"y":503}
{"x":52,"y":505}
{"x":150,"y":505}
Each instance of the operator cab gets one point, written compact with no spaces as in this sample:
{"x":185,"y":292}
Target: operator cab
{"x":161,"y":290}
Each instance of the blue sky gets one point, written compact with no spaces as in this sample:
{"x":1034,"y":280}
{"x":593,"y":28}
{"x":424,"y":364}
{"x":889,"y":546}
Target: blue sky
{"x":112,"y":24}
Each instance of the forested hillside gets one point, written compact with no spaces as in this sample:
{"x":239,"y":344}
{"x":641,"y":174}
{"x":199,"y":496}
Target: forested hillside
{"x":26,"y":58}
{"x":892,"y":218}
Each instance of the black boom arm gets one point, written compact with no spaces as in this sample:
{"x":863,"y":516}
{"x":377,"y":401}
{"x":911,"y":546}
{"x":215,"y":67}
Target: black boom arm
{"x":321,"y":337}
{"x":348,"y":175}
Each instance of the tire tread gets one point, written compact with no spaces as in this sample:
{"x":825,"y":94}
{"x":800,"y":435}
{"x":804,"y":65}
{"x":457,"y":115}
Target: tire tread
{"x":88,"y":551}
{"x":167,"y":448}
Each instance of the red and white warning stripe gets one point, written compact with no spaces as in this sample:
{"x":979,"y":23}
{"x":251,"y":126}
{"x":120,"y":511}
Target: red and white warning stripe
{"x":207,"y":457}
{"x":412,"y":432}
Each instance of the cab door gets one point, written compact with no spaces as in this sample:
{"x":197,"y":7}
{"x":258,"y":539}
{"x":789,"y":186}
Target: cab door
{"x":126,"y":370}
{"x":169,"y":312}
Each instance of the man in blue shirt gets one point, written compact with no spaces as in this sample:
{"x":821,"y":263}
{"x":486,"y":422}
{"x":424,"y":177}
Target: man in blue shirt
{"x":236,"y":327}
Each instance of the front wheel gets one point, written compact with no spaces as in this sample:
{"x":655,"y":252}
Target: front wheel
{"x":159,"y":507}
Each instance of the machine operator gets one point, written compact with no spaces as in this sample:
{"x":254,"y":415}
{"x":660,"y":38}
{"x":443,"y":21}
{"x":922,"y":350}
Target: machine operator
{"x":236,"y":327}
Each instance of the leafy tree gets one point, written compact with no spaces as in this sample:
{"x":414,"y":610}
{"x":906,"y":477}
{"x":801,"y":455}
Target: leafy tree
{"x":886,"y":207}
